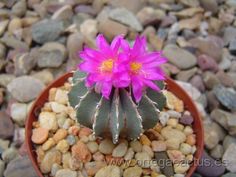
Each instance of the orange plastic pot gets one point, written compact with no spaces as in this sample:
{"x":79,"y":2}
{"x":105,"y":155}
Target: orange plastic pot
{"x":171,"y":86}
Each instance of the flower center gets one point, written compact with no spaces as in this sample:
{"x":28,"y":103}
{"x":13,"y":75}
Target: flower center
{"x":107,"y":65}
{"x":135,"y":67}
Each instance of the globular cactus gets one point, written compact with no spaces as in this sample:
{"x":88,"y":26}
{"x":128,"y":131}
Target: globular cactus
{"x":119,"y":115}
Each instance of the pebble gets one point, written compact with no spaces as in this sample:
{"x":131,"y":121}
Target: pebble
{"x":6,"y":126}
{"x":169,"y":133}
{"x":66,"y":173}
{"x":148,"y":149}
{"x":108,"y":171}
{"x":227,"y":97}
{"x":133,"y":171}
{"x":143,"y":159}
{"x":106,"y":146}
{"x":207,"y":63}
{"x":25,"y":88}
{"x":179,"y":57}
{"x":47,"y":30}
{"x":9,"y":154}
{"x":63,"y":13}
{"x":48,"y":144}
{"x":51,"y":54}
{"x":20,"y":166}
{"x":71,"y":139}
{"x":98,"y":156}
{"x":50,"y":158}
{"x":92,"y":146}
{"x":39,"y":135}
{"x":228,"y":140}
{"x":19,"y":113}
{"x":89,"y":28}
{"x":48,"y":120}
{"x":167,"y":170}
{"x":215,"y":169}
{"x":129,"y":154}
{"x":175,"y":156}
{"x":4,"y":144}
{"x":186,"y":120}
{"x":63,"y":146}
{"x":229,"y":158}
{"x":185,"y":148}
{"x":59,"y":135}
{"x":144,"y":140}
{"x":158,"y":146}
{"x":61,"y":96}
{"x":120,"y":150}
{"x":81,"y":152}
{"x":19,"y":8}
{"x":2,"y":167}
{"x":124,"y":16}
{"x":164,"y":117}
{"x":217,"y":152}
{"x":93,"y":167}
{"x":181,"y":168}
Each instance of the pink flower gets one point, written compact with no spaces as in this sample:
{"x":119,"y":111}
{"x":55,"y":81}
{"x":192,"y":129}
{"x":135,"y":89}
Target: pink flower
{"x":104,"y":66}
{"x":143,"y":66}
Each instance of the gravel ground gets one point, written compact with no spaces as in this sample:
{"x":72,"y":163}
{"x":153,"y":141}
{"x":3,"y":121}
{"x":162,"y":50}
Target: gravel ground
{"x":39,"y":40}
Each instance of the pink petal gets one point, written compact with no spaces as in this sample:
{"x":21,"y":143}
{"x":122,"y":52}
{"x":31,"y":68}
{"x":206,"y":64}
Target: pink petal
{"x":151,"y":85}
{"x":125,"y":46}
{"x":153,"y":75}
{"x":106,"y":89}
{"x":88,"y":67}
{"x":101,"y":42}
{"x":137,"y":88}
{"x":115,"y":44}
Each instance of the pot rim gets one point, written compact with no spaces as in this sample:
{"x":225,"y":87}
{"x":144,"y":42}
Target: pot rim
{"x":40,"y":100}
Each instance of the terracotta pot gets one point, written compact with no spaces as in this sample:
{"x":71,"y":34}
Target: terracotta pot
{"x":171,"y":86}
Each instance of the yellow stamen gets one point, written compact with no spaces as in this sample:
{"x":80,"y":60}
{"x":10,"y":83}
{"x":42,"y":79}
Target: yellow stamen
{"x":107,"y":65}
{"x":135,"y":67}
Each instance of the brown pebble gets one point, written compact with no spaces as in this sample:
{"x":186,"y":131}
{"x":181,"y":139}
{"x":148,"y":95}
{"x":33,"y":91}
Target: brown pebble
{"x":80,"y":151}
{"x":40,"y":135}
{"x":59,"y":135}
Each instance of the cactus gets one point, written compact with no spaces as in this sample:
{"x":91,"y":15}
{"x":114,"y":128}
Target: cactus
{"x":119,"y":115}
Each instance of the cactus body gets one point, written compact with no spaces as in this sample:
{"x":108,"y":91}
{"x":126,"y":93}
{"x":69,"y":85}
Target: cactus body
{"x":118,"y":115}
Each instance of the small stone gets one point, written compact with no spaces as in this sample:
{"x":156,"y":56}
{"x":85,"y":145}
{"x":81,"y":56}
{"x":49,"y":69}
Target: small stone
{"x":186,"y":120}
{"x":158,"y":146}
{"x":108,"y":171}
{"x":50,"y":158}
{"x":197,"y":82}
{"x":179,"y":57}
{"x":48,"y":120}
{"x":181,"y":168}
{"x":19,"y":113}
{"x":67,"y":160}
{"x":98,"y":156}
{"x":19,"y":9}
{"x":186,"y":74}
{"x":2,"y":167}
{"x":61,"y":96}
{"x":227,"y":97}
{"x":63,"y":13}
{"x":174,"y":114}
{"x":15,"y":43}
{"x":191,"y":3}
{"x":58,"y":108}
{"x":143,"y":159}
{"x":164,"y":117}
{"x":51,"y":54}
{"x":4,"y":144}
{"x":132,"y":5}
{"x":191,"y":139}
{"x":225,"y":79}
{"x":63,"y":146}
{"x":167,"y":170}
{"x":149,"y":150}
{"x":209,"y":5}
{"x":210,"y":167}
{"x":217,"y":152}
{"x":85,"y":132}
{"x":47,"y":30}
{"x":59,"y":135}
{"x":3,"y":26}
{"x":81,"y":152}
{"x":205,"y":62}
{"x":89,"y":28}
{"x":129,"y":154}
{"x":21,"y":166}
{"x":103,"y":27}
{"x":172,"y":102}
{"x":169,"y":133}
{"x":185,"y":148}
{"x":211,"y":137}
{"x":55,"y":169}
{"x":92,"y":146}
{"x":175,"y":156}
{"x":144,"y":140}
{"x":133,"y":171}
{"x":39,"y":135}
{"x":229,"y":34}
{"x":192,"y":91}
{"x":210,"y":80}
{"x":6,"y":126}
{"x":48,"y":144}
{"x":124,"y":16}
{"x":172,"y":143}
{"x":71,"y":140}
{"x":190,"y":23}
{"x":106,"y":146}
{"x":66,"y":173}
{"x":136,"y":146}
{"x":25,"y":88}
{"x":9,"y":154}
{"x":172,"y":122}
{"x":229,"y":175}
{"x":93,"y":167}
{"x":229,"y":158}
